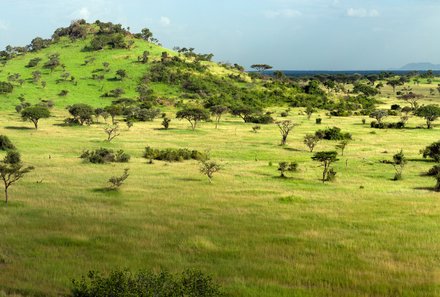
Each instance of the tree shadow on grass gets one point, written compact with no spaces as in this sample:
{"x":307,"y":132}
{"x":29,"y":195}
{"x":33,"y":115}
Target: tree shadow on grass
{"x":107,"y":191}
{"x":420,"y":160}
{"x":286,"y":178}
{"x":18,"y":128}
{"x":163,"y":129}
{"x":431,"y":189}
{"x":189,"y":179}
{"x":291,"y":149}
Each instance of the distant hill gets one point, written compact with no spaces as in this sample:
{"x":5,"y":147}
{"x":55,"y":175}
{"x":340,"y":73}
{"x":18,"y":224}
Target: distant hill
{"x":421,"y":66}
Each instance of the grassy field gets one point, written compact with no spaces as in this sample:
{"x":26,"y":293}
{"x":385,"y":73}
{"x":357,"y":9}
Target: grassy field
{"x":257,"y":234}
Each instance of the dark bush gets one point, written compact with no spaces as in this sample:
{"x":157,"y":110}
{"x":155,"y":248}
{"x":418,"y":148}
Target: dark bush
{"x":173,"y":155}
{"x":397,"y":125}
{"x":33,"y":62}
{"x":103,"y":155}
{"x":332,"y":134}
{"x":5,"y":143}
{"x":259,"y":119}
{"x":432,"y":151}
{"x":6,"y":87}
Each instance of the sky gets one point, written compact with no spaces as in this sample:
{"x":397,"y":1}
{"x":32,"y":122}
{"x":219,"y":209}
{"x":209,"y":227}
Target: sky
{"x":286,"y":34}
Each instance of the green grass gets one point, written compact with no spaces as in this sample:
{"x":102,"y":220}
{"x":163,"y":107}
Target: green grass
{"x":257,"y":234}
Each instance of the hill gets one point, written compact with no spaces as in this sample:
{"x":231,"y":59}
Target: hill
{"x":86,"y":69}
{"x":420,"y":66}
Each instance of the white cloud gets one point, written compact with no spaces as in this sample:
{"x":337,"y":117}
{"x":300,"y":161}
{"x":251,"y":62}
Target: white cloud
{"x":165,"y":21}
{"x":362,"y":13}
{"x":286,"y":13}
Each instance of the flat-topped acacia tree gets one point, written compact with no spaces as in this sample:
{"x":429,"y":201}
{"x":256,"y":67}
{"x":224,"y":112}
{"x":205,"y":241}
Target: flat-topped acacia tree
{"x":35,"y":113}
{"x":429,"y":112}
{"x":261,"y":67}
{"x":193,"y":115}
{"x":326,"y":158}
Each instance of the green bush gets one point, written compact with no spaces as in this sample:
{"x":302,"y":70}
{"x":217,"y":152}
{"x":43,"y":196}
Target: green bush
{"x":173,"y":155}
{"x":103,"y":155}
{"x":432,"y":151}
{"x":332,"y":134}
{"x":6,"y":87}
{"x":123,"y":283}
{"x":6,"y":143}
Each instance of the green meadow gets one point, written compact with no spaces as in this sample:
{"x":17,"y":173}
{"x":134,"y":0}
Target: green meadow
{"x":255,"y":233}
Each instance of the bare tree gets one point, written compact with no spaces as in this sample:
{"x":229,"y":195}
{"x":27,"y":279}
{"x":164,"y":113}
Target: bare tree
{"x":285,"y":128}
{"x":112,"y":132}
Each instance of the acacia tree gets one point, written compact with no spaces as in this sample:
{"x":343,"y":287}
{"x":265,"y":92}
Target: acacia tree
{"x":430,"y":112}
{"x":309,"y":111}
{"x":399,"y":162}
{"x":342,"y":145}
{"x":117,"y":181}
{"x":285,"y":127}
{"x":208,"y":168}
{"x":193,"y":115}
{"x":261,"y":67}
{"x":113,"y":111}
{"x":432,"y":151}
{"x":311,"y":140}
{"x":379,"y":115}
{"x":35,"y":113}
{"x":394,"y":82}
{"x":82,"y":113}
{"x":217,"y":111}
{"x":326,"y":158}
{"x":412,"y":99}
{"x":112,"y":132}
{"x":12,"y":170}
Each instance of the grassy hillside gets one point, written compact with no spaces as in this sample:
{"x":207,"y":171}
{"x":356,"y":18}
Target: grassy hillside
{"x":257,"y":234}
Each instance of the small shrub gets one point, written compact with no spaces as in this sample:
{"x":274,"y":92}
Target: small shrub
{"x":166,"y":123}
{"x":103,"y":155}
{"x":256,"y":128}
{"x":332,"y":134}
{"x":284,"y":167}
{"x":173,"y":155}
{"x":318,"y":121}
{"x":63,"y":93}
{"x":117,"y":181}
{"x":208,"y":168}
{"x":6,"y":143}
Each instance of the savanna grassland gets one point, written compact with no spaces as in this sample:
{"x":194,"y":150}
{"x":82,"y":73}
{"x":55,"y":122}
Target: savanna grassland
{"x":257,"y":234}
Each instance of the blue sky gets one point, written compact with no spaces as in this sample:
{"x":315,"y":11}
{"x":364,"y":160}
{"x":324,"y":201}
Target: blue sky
{"x":287,"y":34}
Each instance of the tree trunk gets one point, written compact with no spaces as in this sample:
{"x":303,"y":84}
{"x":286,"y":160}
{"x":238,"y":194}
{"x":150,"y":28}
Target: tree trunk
{"x":428,"y":123}
{"x":284,"y":140}
{"x":6,"y":196}
{"x":36,"y":124}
